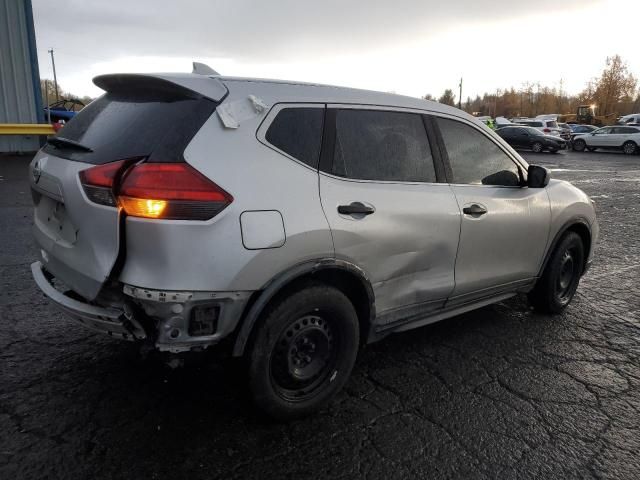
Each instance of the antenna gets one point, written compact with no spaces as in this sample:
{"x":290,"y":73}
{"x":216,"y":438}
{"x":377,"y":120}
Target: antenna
{"x":203,"y":69}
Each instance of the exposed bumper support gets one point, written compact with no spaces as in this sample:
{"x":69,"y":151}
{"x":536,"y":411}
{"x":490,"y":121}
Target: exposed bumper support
{"x":189,"y":320}
{"x":112,"y":321}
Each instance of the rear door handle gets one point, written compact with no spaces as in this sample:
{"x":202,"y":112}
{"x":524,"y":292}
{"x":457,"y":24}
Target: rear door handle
{"x":355,"y":208}
{"x":474,"y":209}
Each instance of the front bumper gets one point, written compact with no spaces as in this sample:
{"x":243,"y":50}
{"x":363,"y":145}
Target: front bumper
{"x":112,"y":321}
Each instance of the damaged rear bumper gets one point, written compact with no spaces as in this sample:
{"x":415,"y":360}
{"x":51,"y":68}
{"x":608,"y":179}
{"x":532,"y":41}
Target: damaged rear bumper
{"x":173,"y":321}
{"x":189,"y":320}
{"x":112,"y":321}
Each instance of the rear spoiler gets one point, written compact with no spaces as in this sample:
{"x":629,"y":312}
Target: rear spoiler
{"x":173,"y":84}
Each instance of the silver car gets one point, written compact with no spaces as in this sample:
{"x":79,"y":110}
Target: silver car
{"x":291,"y":223}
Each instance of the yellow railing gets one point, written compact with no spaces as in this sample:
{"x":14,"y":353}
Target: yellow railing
{"x":26,"y":129}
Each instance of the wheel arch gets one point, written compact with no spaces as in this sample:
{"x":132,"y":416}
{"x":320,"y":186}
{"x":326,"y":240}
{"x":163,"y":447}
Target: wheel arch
{"x":579,"y":225}
{"x":345,"y":276}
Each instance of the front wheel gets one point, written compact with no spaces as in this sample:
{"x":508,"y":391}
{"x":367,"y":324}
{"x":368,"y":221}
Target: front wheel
{"x":629,"y":148}
{"x":303,"y":352}
{"x":558,"y":284}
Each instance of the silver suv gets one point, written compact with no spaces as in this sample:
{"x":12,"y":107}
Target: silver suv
{"x":295,"y":222}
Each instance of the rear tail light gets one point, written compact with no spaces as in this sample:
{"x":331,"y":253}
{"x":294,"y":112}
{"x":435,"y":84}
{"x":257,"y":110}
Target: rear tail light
{"x":171,"y":191}
{"x":98,"y":182}
{"x":546,"y":130}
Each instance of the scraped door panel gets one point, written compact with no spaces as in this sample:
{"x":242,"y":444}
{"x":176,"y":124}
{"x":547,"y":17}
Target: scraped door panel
{"x":407,"y":247}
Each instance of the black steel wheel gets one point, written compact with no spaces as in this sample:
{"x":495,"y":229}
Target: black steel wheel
{"x":558,"y":284}
{"x":303,"y":351}
{"x":304,"y":356}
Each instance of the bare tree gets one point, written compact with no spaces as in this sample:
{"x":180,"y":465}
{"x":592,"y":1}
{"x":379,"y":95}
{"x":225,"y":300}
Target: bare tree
{"x":448,"y":98}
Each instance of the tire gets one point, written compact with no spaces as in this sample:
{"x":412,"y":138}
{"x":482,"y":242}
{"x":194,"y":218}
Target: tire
{"x":557,"y":285}
{"x":579,"y":145}
{"x":629,"y":148}
{"x":537,"y":147}
{"x":303,"y":351}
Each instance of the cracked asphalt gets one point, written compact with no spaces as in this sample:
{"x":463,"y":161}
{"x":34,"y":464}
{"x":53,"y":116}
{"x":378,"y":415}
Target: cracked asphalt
{"x":500,"y":392}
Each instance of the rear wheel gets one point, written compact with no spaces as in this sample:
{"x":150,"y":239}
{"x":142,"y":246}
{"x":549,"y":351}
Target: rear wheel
{"x":629,"y":148}
{"x":579,"y":145}
{"x":558,"y":284}
{"x":303,"y":352}
{"x":537,"y":147}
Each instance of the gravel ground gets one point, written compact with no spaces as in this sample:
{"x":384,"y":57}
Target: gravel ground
{"x":500,"y":392}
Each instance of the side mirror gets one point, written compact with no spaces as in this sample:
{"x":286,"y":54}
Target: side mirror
{"x":537,"y":177}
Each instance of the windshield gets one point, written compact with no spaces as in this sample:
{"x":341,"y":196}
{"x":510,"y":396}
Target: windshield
{"x":552,"y":124}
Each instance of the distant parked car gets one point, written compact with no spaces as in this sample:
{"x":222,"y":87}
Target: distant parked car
{"x":577,"y":129}
{"x":529,"y":138}
{"x":549,"y":127}
{"x":625,"y":138}
{"x":629,"y":119}
{"x":565,"y":131}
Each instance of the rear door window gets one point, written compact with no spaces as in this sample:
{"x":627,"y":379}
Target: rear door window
{"x":298,"y":133}
{"x":383,"y":146}
{"x":474,"y":158}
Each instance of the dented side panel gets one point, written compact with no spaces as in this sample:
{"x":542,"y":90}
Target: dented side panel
{"x":407,"y":247}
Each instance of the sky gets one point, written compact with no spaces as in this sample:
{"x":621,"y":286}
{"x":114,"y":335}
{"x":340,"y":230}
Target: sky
{"x":410,"y":47}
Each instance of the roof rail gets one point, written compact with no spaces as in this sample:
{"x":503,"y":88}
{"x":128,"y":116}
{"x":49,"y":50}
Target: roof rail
{"x":203,"y":69}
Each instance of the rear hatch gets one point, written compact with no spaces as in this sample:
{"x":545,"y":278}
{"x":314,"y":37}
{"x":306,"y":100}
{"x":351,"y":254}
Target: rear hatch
{"x":141,"y":117}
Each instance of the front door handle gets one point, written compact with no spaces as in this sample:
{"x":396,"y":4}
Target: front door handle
{"x":355,"y":208}
{"x":474,"y":209}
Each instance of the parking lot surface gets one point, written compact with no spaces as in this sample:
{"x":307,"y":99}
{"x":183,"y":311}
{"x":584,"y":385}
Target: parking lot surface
{"x":500,"y":392}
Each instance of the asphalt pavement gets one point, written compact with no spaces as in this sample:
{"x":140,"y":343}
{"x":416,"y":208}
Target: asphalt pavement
{"x":501,"y":392}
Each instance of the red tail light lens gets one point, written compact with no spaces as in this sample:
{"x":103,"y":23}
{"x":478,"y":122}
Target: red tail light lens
{"x":170,"y":191}
{"x":98,"y":182}
{"x":546,"y":130}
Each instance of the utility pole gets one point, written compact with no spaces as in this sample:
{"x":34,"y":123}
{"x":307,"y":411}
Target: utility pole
{"x":55,"y":78}
{"x":460,"y":95}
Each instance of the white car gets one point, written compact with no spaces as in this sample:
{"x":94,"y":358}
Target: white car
{"x":627,"y":119}
{"x":616,"y":137}
{"x":546,"y":126}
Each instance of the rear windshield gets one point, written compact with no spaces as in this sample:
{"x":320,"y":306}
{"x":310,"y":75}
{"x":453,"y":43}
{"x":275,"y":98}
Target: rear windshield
{"x":121,"y":125}
{"x":552,"y":124}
